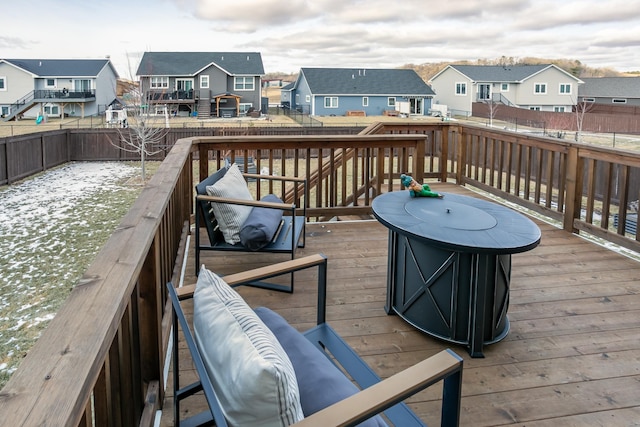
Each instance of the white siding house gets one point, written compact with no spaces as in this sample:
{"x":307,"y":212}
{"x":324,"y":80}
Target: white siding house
{"x":76,"y":87}
{"x":537,"y":87}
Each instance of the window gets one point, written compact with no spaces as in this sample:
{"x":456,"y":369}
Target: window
{"x":484,"y":91}
{"x":244,"y":107}
{"x":619,"y":101}
{"x":4,"y":111}
{"x":391,"y":101}
{"x":82,"y":85}
{"x":504,"y":87}
{"x":244,"y":83}
{"x":49,"y":83}
{"x":565,"y":88}
{"x":540,"y":88}
{"x":461,"y":88}
{"x":204,"y":82}
{"x":52,"y":110}
{"x":534,"y":108}
{"x":330,"y":102}
{"x":307,"y":98}
{"x":159,"y":82}
{"x":3,"y":83}
{"x":558,"y":109}
{"x":183,"y":86}
{"x":365,"y":101}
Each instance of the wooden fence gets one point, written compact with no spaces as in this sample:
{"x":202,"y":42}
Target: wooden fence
{"x":600,"y":122}
{"x":26,"y":155}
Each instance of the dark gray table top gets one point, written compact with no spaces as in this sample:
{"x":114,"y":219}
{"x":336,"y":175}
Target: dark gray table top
{"x":458,"y":223}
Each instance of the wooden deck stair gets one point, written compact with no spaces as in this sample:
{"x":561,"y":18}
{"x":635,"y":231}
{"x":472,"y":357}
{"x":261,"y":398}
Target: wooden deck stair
{"x":204,"y":108}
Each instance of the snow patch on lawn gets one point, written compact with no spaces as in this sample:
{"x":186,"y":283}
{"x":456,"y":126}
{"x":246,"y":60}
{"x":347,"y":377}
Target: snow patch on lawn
{"x":43,"y":234}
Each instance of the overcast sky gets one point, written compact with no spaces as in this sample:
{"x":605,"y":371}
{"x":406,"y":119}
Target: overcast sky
{"x":326,"y":33}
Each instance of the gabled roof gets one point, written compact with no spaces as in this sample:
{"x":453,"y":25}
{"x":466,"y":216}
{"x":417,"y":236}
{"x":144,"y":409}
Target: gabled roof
{"x":500,"y":73}
{"x":191,"y":63}
{"x":364,"y":81}
{"x":61,"y":67}
{"x":610,"y":87}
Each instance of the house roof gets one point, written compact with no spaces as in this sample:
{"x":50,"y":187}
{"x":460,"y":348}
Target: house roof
{"x":610,"y":87}
{"x":191,"y":63}
{"x":500,"y":73}
{"x":365,"y":81}
{"x":61,"y":67}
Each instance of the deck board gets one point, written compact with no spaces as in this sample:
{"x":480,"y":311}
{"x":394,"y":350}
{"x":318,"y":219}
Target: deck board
{"x":570,"y":358}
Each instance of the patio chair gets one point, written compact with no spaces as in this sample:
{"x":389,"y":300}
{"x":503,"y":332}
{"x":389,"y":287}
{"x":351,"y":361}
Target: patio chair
{"x":309,"y":387}
{"x":236,"y":222}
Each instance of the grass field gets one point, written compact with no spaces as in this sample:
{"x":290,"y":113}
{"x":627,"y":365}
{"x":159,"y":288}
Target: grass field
{"x":52,"y":227}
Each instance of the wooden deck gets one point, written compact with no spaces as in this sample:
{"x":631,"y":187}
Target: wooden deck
{"x":571,"y":357}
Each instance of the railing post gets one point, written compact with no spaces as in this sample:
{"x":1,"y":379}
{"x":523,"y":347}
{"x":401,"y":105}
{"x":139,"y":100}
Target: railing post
{"x":573,"y":189}
{"x":380,"y":171}
{"x":444,"y":154}
{"x":203,"y":162}
{"x":150,"y":310}
{"x":461,"y":156}
{"x":418,"y":158}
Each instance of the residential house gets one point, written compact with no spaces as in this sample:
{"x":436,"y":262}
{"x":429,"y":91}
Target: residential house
{"x":544,"y":87}
{"x":37,"y":88}
{"x":218,"y":84}
{"x":286,"y":94}
{"x":344,"y":91}
{"x":611,"y":90}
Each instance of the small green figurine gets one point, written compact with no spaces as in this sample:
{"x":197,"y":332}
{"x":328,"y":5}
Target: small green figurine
{"x":417,"y":190}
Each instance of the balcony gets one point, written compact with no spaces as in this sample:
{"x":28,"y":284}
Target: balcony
{"x":570,"y":357}
{"x":175,"y":96}
{"x":65,"y":95}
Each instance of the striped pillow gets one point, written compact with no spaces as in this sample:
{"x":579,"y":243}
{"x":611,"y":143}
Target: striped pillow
{"x":231,"y":217}
{"x":250,"y":372}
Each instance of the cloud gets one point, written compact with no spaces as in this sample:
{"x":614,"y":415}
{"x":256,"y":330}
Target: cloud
{"x":552,"y":14}
{"x":350,"y":33}
{"x":258,"y":14}
{"x":252,"y":15}
{"x":616,"y":38}
{"x":14,"y":43}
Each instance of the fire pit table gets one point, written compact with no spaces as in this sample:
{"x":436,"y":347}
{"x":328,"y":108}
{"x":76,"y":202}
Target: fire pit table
{"x":449,"y":264}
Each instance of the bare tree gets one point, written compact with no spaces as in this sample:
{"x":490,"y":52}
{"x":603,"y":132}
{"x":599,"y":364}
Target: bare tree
{"x":581,"y":109}
{"x":141,"y":132}
{"x":492,"y":108}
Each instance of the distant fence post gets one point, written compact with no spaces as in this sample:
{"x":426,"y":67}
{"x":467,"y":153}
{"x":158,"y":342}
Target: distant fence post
{"x":573,"y":189}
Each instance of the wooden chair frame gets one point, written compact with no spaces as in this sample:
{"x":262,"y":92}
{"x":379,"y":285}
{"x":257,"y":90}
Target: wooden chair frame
{"x":376,"y":395}
{"x":289,"y":237}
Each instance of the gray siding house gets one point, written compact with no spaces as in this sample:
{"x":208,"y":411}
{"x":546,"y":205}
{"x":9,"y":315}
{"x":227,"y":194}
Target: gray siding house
{"x":340,"y":91}
{"x":206,"y":84}
{"x":544,"y":87}
{"x":31,"y":88}
{"x":611,"y":90}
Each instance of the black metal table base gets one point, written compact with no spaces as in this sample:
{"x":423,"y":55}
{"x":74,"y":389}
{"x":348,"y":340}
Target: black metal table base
{"x":458,"y":297}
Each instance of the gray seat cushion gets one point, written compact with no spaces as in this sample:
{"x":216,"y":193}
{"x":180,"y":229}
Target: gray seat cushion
{"x":261,"y":225}
{"x":320,"y":382}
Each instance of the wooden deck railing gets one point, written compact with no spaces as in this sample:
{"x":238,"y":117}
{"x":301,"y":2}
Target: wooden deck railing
{"x":343,"y":172}
{"x":100,"y":360}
